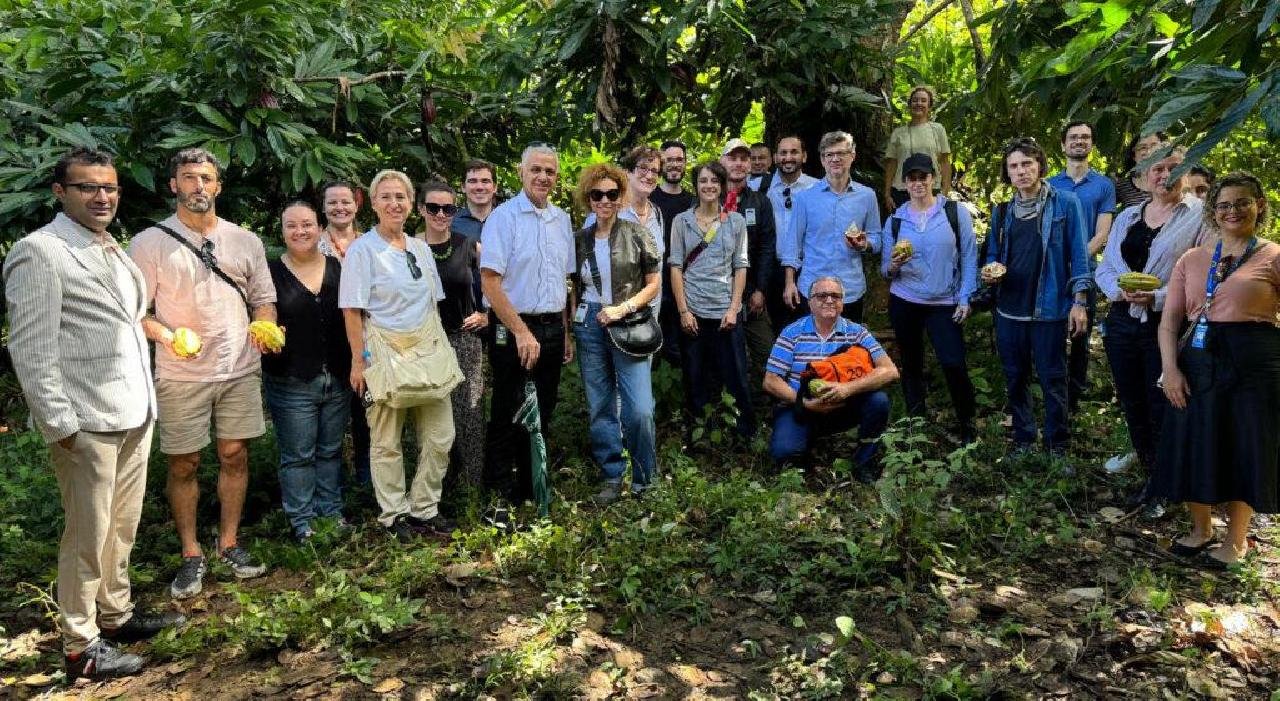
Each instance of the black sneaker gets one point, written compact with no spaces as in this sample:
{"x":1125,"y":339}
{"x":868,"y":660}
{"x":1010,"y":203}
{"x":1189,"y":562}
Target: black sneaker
{"x":609,"y":492}
{"x":403,"y":531}
{"x":438,"y":524}
{"x":189,"y":580}
{"x":500,"y":518}
{"x":867,"y":474}
{"x":141,"y":626}
{"x":241,"y":563}
{"x":102,"y":661}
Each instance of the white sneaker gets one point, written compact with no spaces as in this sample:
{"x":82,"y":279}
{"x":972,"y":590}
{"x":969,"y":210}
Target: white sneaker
{"x":1120,"y":463}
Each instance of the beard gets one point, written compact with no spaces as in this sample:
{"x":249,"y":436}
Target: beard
{"x":196,"y":203}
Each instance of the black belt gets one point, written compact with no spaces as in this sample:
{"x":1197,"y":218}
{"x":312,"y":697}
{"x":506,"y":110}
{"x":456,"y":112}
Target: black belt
{"x":545,"y":319}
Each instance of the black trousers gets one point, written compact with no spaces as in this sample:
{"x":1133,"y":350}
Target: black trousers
{"x":1134,"y":355}
{"x":507,"y":464}
{"x":1078,"y":357}
{"x":910,"y":322}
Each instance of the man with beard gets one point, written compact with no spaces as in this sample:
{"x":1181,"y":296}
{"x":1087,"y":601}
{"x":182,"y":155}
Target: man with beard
{"x":526,"y":257}
{"x":761,"y":164}
{"x":1097,"y":195}
{"x":75,"y":303}
{"x":205,"y":274}
{"x":789,"y":180}
{"x":671,"y":199}
{"x":761,"y":252}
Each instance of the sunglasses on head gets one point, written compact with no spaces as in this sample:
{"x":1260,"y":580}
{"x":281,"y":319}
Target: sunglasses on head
{"x":414,"y":270}
{"x":611,"y":195}
{"x":433,"y":209}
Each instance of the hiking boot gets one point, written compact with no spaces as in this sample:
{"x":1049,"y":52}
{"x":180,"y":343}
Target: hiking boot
{"x":402,"y":530}
{"x":500,"y":518}
{"x":141,"y":626}
{"x":1119,"y":463}
{"x":102,"y":661}
{"x":242,"y":564}
{"x":866,"y":474}
{"x":438,"y":524}
{"x":609,"y":492}
{"x":189,"y":580}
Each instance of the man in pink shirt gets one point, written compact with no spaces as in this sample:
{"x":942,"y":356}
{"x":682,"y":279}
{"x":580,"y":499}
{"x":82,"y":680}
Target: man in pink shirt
{"x":205,"y":274}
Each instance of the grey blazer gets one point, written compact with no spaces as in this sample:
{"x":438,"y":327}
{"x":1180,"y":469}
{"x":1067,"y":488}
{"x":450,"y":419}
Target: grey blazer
{"x":79,"y":353}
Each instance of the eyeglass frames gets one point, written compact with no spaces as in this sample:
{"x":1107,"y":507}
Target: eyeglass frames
{"x":91,"y":189}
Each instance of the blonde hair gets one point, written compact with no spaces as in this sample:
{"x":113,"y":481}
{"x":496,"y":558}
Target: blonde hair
{"x":384,"y":175}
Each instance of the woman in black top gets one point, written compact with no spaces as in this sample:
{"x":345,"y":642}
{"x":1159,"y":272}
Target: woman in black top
{"x":306,"y":383}
{"x":463,"y":319}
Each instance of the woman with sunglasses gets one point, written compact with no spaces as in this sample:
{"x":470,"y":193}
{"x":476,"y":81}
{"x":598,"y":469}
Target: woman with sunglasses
{"x":708,"y":264}
{"x":306,"y":382}
{"x":1148,"y":238}
{"x":1221,"y":439}
{"x":388,"y":298}
{"x":617,"y":272}
{"x":463,"y":318}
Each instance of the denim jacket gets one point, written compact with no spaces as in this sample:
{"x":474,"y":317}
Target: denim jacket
{"x":1064,"y":270}
{"x":633,"y":254}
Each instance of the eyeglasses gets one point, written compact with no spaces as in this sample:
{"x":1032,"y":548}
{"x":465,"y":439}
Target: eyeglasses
{"x":827,"y":296}
{"x":432,"y":209}
{"x":1240,"y":205}
{"x":92,"y":189}
{"x":414,"y":271}
{"x":206,"y":255}
{"x":786,"y":192}
{"x":611,"y":195}
{"x":642,"y":171}
{"x":835,"y":155}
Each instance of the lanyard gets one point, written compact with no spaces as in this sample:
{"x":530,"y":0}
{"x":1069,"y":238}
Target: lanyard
{"x":1213,"y":279}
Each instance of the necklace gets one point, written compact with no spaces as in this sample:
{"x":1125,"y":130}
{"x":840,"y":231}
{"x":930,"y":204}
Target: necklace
{"x":441,"y":256}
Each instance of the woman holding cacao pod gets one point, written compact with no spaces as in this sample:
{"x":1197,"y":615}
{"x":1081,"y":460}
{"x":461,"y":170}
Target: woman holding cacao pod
{"x":1220,"y":353}
{"x":306,"y":382}
{"x":932,"y":271}
{"x":1144,"y":243}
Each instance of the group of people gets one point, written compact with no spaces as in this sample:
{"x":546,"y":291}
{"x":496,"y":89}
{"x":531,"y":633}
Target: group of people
{"x":755,"y":283}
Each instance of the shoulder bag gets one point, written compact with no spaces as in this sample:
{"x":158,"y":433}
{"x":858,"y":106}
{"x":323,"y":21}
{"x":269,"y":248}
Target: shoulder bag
{"x":637,"y":334}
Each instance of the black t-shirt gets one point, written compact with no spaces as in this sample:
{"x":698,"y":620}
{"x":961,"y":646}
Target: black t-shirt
{"x":456,"y":263}
{"x":315,"y":334}
{"x":670,"y":205}
{"x":1022,"y":276}
{"x":1136,"y":247}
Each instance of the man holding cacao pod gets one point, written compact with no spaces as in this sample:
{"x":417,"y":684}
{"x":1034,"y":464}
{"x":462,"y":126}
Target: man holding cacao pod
{"x":208,"y":275}
{"x":75,"y":302}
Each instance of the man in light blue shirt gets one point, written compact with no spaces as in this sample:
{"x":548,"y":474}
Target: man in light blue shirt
{"x":789,"y":180}
{"x":833,"y":224}
{"x":526,"y":257}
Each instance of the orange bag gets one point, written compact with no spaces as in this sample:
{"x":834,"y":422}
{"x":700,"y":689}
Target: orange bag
{"x":849,"y":363}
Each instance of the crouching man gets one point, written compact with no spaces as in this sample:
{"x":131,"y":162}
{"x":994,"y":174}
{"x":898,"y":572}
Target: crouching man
{"x":839,"y":406}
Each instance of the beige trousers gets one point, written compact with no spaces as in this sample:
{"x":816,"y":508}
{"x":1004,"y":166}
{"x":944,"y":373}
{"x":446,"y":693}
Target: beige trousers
{"x":103,"y":477}
{"x":433,"y":424}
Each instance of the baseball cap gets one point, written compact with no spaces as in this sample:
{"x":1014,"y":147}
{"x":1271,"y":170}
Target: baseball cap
{"x":735,"y":144}
{"x":918,"y":161}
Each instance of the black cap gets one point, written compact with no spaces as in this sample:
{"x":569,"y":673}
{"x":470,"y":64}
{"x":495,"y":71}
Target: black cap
{"x":918,"y":161}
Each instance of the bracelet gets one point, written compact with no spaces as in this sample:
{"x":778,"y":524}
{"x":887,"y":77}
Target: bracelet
{"x":1078,"y":303}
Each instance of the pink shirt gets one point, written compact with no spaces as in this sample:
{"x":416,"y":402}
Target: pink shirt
{"x":186,"y":293}
{"x":1251,"y":293}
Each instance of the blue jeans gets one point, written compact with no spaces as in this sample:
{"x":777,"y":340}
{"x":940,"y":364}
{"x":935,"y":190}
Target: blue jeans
{"x":1020,"y":343}
{"x":869,"y":412}
{"x":607,"y":374}
{"x":718,"y":353}
{"x":310,"y":417}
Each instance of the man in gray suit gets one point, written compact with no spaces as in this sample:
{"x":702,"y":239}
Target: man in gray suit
{"x":75,"y":305}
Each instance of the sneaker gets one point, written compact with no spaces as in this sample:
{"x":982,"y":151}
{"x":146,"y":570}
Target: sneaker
{"x":141,"y":626}
{"x":609,"y":492}
{"x":500,"y":518}
{"x":436,"y":525}
{"x":102,"y":661}
{"x":866,"y":474}
{"x":1119,"y":463}
{"x":402,"y":530}
{"x":241,"y":563}
{"x":304,"y":537}
{"x":189,"y":580}
{"x":1153,"y":510}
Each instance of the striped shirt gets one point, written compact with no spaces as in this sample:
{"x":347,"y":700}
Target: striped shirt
{"x":799,"y":344}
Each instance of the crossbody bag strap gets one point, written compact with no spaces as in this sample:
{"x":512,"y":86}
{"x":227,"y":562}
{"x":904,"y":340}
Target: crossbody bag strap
{"x":951,"y":209}
{"x":595,"y":268}
{"x":212,"y":267}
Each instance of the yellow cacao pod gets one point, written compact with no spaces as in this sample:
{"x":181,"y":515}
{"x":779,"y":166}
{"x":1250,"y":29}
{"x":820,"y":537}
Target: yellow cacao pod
{"x":995,"y":270}
{"x":268,"y":334}
{"x":1138,"y":282}
{"x":186,"y":343}
{"x":903,"y":248}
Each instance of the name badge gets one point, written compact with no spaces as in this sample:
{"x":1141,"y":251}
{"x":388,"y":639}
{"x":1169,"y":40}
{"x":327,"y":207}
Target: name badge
{"x":1200,"y":335}
{"x":580,"y":314}
{"x":500,"y":335}
{"x":750,"y":214}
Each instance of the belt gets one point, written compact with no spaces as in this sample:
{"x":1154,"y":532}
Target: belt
{"x":546,"y":319}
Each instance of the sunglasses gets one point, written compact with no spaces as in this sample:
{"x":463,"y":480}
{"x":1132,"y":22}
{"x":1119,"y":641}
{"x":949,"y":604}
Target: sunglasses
{"x":433,"y":209}
{"x":827,"y":296}
{"x":786,"y":192}
{"x":414,"y":271}
{"x":206,"y":254}
{"x":611,"y":195}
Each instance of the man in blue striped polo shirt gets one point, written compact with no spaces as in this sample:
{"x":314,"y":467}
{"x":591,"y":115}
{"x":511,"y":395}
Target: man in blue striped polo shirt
{"x":859,"y":403}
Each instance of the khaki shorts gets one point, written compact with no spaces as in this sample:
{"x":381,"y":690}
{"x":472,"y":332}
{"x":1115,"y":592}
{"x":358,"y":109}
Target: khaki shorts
{"x":235,"y":407}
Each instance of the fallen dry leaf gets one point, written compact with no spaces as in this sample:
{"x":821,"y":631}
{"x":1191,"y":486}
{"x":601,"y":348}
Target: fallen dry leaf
{"x":389,"y":685}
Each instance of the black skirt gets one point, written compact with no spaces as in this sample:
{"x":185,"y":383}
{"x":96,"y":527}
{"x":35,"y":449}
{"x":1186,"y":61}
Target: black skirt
{"x":1225,"y":446}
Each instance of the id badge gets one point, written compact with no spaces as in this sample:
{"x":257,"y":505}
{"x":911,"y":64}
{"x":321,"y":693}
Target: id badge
{"x":580,"y":314}
{"x":500,"y":335}
{"x":1199,"y":335}
{"x":750,"y":214}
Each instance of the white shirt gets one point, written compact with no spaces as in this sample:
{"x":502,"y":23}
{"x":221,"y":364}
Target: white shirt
{"x":377,"y":278}
{"x":590,"y":294}
{"x":532,"y":249}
